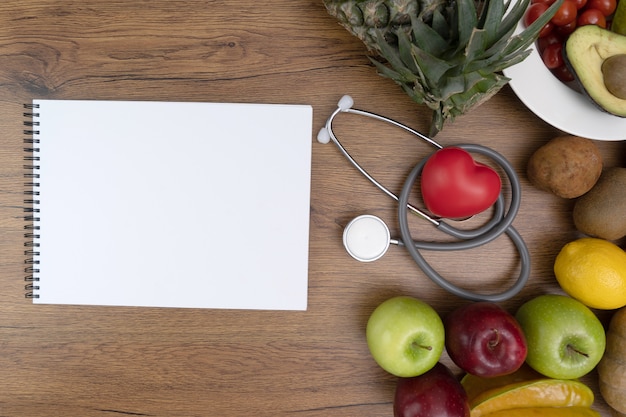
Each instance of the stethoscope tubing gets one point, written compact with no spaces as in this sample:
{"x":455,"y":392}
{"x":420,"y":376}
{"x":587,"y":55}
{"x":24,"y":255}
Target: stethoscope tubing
{"x":500,"y":222}
{"x":358,"y":167}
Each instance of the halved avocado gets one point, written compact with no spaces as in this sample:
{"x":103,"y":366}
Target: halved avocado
{"x":586,"y":49}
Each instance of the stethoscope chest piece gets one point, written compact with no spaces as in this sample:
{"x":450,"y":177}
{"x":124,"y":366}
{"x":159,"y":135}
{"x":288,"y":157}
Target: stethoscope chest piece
{"x":366,"y":238}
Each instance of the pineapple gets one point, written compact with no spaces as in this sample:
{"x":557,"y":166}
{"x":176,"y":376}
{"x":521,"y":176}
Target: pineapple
{"x":446,"y":54}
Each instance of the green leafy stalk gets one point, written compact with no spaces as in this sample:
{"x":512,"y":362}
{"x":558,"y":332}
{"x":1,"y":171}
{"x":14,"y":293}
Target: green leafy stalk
{"x":446,"y":54}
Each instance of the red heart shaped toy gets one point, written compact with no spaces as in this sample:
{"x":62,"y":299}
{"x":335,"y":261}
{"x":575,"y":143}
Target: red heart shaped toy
{"x":454,"y":185}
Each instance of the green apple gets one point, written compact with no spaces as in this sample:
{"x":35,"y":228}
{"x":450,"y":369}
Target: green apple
{"x":566,"y":340}
{"x":405,"y":336}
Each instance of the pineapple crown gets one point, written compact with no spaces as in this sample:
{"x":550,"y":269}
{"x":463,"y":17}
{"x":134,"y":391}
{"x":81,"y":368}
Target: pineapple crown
{"x":446,"y":54}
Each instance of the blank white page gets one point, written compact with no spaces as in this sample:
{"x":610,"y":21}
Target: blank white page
{"x":171,"y":204}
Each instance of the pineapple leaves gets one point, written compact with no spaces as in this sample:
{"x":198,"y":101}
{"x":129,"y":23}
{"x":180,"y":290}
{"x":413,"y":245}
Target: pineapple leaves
{"x":428,"y":7}
{"x":428,"y":38}
{"x":467,"y":20}
{"x":509,"y":50}
{"x":529,"y":35}
{"x":480,"y":92}
{"x":454,"y":85}
{"x":405,"y":49}
{"x":385,"y":71}
{"x":411,"y":62}
{"x":440,"y":24}
{"x":493,"y":18}
{"x":392,"y":55}
{"x":433,"y":68}
{"x":515,"y":13}
{"x":445,"y":54}
{"x":476,"y":45}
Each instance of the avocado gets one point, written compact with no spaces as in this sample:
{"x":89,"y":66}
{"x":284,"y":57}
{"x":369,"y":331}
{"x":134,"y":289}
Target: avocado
{"x":618,"y":25}
{"x":586,"y":51}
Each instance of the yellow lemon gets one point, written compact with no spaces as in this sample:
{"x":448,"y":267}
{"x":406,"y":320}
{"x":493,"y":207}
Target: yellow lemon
{"x":593,"y":271}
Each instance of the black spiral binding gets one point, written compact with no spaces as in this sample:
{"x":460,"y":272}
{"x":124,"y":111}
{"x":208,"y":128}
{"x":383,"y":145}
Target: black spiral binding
{"x":31,"y":200}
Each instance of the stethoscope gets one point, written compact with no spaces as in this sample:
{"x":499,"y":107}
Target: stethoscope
{"x":367,"y":237}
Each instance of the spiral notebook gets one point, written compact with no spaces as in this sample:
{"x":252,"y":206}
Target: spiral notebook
{"x":167,"y":204}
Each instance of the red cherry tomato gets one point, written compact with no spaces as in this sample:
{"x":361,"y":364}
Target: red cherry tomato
{"x":568,"y":17}
{"x":606,"y":7}
{"x":546,"y":30}
{"x":591,"y":17}
{"x":533,"y":13}
{"x":563,"y":74}
{"x":566,"y":13}
{"x":543,"y":43}
{"x":565,"y":30}
{"x":553,"y":56}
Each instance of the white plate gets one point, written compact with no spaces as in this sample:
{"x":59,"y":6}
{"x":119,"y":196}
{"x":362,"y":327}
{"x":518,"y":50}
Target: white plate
{"x":558,"y":104}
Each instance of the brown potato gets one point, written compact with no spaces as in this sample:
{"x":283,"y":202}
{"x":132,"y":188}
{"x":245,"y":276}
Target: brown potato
{"x":567,"y":166}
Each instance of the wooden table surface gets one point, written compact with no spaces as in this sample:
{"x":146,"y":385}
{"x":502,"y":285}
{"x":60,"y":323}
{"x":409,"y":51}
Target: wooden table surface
{"x":103,"y":361}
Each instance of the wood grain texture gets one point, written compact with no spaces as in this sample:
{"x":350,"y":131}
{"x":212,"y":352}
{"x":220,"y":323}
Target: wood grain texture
{"x":94,"y":361}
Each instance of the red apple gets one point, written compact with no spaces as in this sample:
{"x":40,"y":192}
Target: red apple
{"x":485,"y":340}
{"x":436,"y":393}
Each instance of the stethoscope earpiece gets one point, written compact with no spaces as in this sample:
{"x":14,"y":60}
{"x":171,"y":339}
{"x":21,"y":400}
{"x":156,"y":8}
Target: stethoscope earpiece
{"x":323,"y":136}
{"x":366,"y":238}
{"x":346,"y":102}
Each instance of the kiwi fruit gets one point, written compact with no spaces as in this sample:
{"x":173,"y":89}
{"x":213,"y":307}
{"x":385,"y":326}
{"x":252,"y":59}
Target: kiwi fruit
{"x":611,"y":375}
{"x":602,"y":211}
{"x":567,"y":166}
